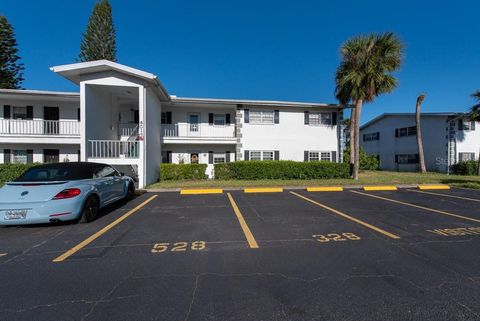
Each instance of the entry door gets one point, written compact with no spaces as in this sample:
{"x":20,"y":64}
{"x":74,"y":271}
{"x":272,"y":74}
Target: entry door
{"x":51,"y":156}
{"x":51,"y":115}
{"x":194,"y":124}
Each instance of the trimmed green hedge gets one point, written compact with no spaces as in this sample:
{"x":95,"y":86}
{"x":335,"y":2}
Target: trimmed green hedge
{"x":182,"y":171}
{"x":253,"y":170}
{"x":8,"y":172}
{"x":465,"y":168}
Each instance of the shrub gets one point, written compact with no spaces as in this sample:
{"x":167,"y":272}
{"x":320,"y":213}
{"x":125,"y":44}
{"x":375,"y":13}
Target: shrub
{"x":367,"y":162}
{"x":465,"y":168}
{"x":8,"y":172}
{"x":254,"y":170}
{"x":182,"y":171}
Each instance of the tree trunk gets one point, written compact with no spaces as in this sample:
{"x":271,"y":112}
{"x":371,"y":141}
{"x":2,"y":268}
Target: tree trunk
{"x":352,"y":140}
{"x":421,"y":156}
{"x":356,"y":164}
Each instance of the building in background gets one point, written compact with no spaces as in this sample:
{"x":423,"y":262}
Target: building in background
{"x":125,"y":117}
{"x":447,"y":139}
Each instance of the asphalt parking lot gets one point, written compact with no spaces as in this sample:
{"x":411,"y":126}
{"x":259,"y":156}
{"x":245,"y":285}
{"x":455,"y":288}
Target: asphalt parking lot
{"x":295,"y":255}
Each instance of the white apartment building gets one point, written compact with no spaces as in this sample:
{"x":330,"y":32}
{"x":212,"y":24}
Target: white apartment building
{"x":125,"y":117}
{"x":447,"y":138}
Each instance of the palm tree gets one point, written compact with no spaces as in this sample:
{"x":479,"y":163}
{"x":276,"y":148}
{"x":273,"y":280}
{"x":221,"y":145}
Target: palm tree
{"x":421,"y":156}
{"x":349,"y":126}
{"x":474,"y":115}
{"x":365,"y":72}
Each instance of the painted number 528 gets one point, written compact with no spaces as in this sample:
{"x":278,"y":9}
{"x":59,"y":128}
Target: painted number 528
{"x":336,"y":237}
{"x":178,"y":247}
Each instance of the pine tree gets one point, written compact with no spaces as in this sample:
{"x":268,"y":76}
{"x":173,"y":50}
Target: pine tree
{"x":99,"y":40}
{"x":11,"y":70}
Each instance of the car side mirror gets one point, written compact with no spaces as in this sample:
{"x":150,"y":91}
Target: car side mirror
{"x":122,"y":174}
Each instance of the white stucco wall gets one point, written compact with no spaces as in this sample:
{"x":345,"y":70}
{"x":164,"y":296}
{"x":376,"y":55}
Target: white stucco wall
{"x":291,"y":136}
{"x":434,"y":136}
{"x":70,"y":151}
{"x":152,"y":123}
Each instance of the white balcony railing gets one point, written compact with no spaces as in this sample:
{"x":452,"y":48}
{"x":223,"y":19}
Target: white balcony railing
{"x":113,"y":149}
{"x":127,"y":129}
{"x":198,"y":130}
{"x":39,"y":127}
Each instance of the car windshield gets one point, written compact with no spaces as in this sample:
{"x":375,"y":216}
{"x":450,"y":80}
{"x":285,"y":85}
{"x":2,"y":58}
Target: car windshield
{"x":55,"y":173}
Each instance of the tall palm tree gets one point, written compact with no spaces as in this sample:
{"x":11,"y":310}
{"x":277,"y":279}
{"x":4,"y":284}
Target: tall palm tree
{"x":421,"y":155}
{"x":474,"y":115}
{"x":349,"y":126}
{"x":365,"y":72}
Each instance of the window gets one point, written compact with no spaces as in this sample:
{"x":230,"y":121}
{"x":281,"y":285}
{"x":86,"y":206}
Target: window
{"x":105,"y":171}
{"x":462,"y":157}
{"x":262,"y":117}
{"x":19,"y":112}
{"x":261,"y":155}
{"x":314,"y":156}
{"x":219,"y":120}
{"x":318,"y":118}
{"x":371,"y":136}
{"x":468,"y":125}
{"x":219,"y":158}
{"x":164,"y":118}
{"x":19,"y":156}
{"x":407,"y":158}
{"x":406,"y":131}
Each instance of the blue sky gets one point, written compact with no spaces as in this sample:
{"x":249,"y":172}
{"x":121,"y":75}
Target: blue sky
{"x":282,"y":50}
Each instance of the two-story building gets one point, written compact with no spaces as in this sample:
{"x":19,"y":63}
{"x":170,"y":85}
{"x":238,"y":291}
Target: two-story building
{"x":125,"y":117}
{"x":447,"y":139}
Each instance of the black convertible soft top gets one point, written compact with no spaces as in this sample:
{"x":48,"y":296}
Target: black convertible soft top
{"x":60,"y":172}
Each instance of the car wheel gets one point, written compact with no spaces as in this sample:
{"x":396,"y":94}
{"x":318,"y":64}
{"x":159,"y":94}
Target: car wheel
{"x":90,"y":209}
{"x":130,"y":191}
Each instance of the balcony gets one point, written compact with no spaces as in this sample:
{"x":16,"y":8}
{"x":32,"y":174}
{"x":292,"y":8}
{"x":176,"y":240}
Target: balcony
{"x":198,"y":133}
{"x":113,"y":149}
{"x":22,"y":127}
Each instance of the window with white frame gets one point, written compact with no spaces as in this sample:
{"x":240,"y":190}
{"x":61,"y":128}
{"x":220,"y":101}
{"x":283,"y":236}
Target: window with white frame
{"x":19,"y":112}
{"x":315,"y":156}
{"x":406,"y":131}
{"x":19,"y":156}
{"x":219,"y":158}
{"x":467,"y":125}
{"x":319,"y":118}
{"x":462,"y":157}
{"x":261,"y":155}
{"x":261,"y":117}
{"x":219,"y":119}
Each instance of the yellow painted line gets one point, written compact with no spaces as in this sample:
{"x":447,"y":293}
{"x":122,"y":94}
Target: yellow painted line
{"x":446,"y":195}
{"x":93,"y":237}
{"x":380,"y":188}
{"x":420,"y":207}
{"x":348,"y":217}
{"x":427,"y":187}
{"x":263,"y":190}
{"x":325,"y":189}
{"x":246,"y":230}
{"x":201,"y":191}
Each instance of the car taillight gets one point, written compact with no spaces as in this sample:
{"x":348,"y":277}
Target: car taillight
{"x":67,"y":193}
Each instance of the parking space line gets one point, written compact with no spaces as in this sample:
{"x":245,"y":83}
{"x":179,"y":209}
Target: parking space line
{"x":3,"y":254}
{"x":418,"y":206}
{"x":348,"y":217}
{"x":93,"y":237}
{"x":246,"y":230}
{"x":446,"y":195}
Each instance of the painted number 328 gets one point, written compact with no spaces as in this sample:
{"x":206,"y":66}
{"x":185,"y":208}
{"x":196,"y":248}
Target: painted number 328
{"x":178,"y":247}
{"x":336,"y":237}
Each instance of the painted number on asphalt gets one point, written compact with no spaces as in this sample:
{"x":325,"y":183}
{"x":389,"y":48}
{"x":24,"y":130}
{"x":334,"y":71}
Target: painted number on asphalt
{"x":178,"y":247}
{"x":324,"y":238}
{"x":456,"y":231}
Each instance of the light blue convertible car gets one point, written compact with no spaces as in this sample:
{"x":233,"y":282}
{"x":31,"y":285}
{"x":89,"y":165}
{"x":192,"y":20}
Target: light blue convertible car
{"x":62,"y":192}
